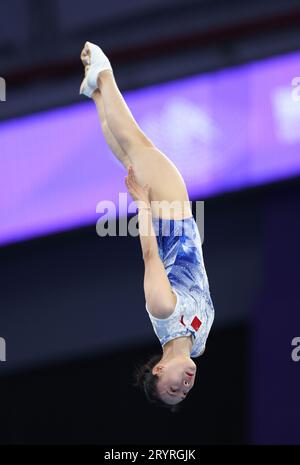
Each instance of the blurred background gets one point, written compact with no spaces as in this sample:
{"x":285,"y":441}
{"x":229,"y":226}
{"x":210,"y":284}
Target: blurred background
{"x":215,"y":84}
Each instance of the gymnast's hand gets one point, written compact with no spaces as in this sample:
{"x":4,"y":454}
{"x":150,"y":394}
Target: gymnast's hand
{"x":140,"y":194}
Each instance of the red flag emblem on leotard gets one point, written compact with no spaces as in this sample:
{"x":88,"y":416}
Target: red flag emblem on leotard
{"x":181,"y":320}
{"x":196,"y":323}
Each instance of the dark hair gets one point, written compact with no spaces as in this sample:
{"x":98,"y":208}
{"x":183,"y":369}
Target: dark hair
{"x":147,"y":381}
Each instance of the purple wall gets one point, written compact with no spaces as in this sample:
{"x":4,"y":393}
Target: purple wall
{"x":224,"y":130}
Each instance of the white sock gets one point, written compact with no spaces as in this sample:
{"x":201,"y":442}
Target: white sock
{"x":98,"y":62}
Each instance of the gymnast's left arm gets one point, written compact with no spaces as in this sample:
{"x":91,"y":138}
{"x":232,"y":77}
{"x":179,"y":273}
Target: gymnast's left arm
{"x":160,"y":299}
{"x":141,"y":195}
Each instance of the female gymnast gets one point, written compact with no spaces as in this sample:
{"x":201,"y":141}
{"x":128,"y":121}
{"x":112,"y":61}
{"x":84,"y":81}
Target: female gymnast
{"x":176,"y":287}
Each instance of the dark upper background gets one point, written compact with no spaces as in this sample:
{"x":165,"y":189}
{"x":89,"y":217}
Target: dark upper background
{"x":60,"y":291}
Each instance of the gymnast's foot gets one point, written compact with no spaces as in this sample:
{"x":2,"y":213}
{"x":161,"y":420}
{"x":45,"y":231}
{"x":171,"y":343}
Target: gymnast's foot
{"x":95,"y":61}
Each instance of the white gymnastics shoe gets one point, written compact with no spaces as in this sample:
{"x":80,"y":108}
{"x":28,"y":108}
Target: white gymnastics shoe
{"x":97,"y":62}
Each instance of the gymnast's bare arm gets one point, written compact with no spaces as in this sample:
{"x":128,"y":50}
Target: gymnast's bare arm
{"x":159,"y":296}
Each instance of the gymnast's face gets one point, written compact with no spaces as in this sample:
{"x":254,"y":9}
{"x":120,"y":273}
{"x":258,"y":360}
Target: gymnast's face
{"x":176,"y":378}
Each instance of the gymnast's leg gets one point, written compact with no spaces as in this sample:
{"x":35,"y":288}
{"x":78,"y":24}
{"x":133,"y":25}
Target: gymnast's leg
{"x":109,"y":137}
{"x":132,"y":146}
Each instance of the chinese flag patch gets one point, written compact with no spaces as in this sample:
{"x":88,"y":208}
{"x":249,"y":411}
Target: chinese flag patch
{"x":196,"y":323}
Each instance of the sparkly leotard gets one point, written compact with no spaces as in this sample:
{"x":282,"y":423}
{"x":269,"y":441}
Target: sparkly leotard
{"x":180,"y":249}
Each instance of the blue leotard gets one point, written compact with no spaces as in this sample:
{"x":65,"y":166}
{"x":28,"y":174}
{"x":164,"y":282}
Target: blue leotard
{"x":180,"y":250}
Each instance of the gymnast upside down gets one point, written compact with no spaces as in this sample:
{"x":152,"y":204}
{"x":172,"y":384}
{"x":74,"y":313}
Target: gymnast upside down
{"x":176,"y":287}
